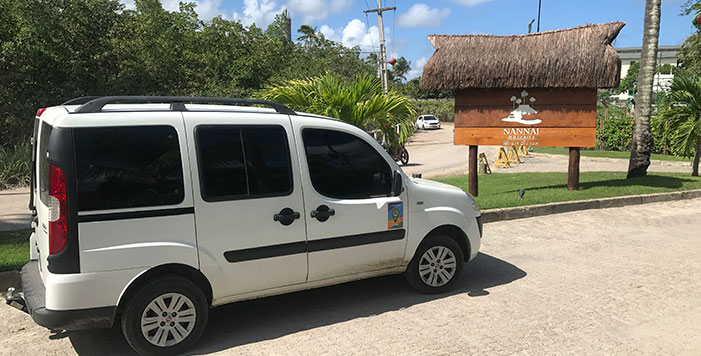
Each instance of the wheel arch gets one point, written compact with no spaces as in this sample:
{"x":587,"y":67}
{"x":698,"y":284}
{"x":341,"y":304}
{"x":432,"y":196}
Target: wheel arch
{"x":454,"y":233}
{"x":175,"y":269}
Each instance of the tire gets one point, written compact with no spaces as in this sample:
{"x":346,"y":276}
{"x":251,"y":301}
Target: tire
{"x":404,"y":156}
{"x":428,"y":281}
{"x":163,"y":292}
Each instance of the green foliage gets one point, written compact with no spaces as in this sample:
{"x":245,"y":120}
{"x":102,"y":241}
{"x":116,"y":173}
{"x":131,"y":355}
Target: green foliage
{"x":359,"y":101}
{"x":15,"y":166}
{"x":615,"y":133}
{"x":55,"y":50}
{"x":444,"y":110}
{"x":14,"y":249}
{"x":683,"y":115}
{"x":412,"y":89}
{"x":630,"y":82}
{"x":397,"y":72}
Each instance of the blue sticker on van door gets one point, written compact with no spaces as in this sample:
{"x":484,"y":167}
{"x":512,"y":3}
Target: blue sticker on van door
{"x":395,"y":216}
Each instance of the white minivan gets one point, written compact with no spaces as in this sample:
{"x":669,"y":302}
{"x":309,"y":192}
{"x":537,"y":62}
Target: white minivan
{"x":149,"y":211}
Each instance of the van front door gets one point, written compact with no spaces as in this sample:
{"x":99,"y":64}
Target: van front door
{"x":354,"y":224}
{"x":248,"y":201}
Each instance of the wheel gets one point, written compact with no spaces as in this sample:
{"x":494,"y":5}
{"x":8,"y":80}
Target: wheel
{"x":404,"y":156}
{"x":165,"y":317}
{"x":436,"y":266}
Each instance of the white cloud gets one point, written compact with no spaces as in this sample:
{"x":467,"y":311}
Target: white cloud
{"x":417,"y":67}
{"x":356,"y":33}
{"x":259,"y":12}
{"x":471,"y":2}
{"x":330,"y":33}
{"x":422,"y":15}
{"x":313,"y":10}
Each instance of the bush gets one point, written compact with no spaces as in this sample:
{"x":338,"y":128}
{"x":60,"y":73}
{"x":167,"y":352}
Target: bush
{"x":615,"y":133}
{"x":444,"y":110}
{"x":15,"y":164}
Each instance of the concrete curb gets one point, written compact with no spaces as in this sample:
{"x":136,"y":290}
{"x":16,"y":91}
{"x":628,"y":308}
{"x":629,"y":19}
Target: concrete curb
{"x":529,"y":211}
{"x":9,"y":279}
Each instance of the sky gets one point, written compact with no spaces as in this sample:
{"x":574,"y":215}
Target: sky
{"x":407,"y":27}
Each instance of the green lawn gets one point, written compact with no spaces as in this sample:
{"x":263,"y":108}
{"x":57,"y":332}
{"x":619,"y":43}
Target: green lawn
{"x":14,"y":249}
{"x":606,"y":154}
{"x":501,"y":190}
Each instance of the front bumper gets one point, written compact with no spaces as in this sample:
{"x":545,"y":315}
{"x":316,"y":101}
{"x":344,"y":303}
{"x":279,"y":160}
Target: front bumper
{"x":34,"y":303}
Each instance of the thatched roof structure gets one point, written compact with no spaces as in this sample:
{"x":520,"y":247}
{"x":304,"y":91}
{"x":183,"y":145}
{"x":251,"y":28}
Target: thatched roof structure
{"x":580,"y":57}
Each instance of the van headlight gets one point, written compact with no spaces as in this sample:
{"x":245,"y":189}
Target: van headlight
{"x":473,"y":202}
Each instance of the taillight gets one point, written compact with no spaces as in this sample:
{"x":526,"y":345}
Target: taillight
{"x":58,"y":211}
{"x":40,"y":111}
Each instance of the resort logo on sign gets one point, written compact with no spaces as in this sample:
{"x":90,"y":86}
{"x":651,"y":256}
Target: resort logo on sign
{"x":521,"y":136}
{"x":517,"y":114}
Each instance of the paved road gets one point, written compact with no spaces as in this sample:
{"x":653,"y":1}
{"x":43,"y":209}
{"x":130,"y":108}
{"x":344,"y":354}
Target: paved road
{"x":433,"y":154}
{"x":620,"y":281}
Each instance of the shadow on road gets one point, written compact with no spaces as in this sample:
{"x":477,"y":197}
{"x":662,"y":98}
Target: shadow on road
{"x":273,"y":317}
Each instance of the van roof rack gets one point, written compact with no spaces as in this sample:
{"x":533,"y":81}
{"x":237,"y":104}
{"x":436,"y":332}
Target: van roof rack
{"x":79,"y":101}
{"x":177,"y":103}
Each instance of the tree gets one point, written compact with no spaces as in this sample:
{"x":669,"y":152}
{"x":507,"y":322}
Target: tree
{"x":690,"y":53}
{"x":684,"y":117}
{"x":630,"y":81}
{"x":359,"y":101}
{"x":397,"y":73}
{"x":308,"y":33}
{"x":642,"y":142}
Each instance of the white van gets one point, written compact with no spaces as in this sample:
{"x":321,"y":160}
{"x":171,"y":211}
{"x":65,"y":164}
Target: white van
{"x":149,"y":211}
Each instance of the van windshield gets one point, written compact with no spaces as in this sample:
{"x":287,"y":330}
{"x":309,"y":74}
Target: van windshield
{"x":43,"y":162}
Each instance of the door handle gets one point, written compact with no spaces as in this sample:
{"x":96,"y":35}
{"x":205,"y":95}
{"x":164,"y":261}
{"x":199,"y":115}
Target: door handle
{"x":322,"y":213}
{"x":286,"y":216}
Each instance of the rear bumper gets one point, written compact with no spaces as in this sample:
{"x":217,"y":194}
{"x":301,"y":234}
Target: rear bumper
{"x":76,"y":319}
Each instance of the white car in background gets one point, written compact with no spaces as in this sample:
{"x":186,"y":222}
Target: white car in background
{"x":428,"y":122}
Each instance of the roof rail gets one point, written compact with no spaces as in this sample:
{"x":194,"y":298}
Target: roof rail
{"x":80,"y":100}
{"x":177,"y":103}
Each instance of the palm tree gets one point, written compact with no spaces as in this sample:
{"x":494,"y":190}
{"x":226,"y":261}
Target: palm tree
{"x":684,"y":117}
{"x":308,"y":33}
{"x":642,"y":144}
{"x":359,"y":101}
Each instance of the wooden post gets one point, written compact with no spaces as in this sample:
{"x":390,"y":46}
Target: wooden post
{"x":573,"y":169}
{"x":472,"y":162}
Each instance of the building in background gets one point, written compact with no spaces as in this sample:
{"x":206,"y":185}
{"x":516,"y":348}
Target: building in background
{"x":631,"y":55}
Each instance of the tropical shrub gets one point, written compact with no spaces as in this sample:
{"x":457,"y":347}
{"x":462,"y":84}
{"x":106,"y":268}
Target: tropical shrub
{"x":359,"y":101}
{"x":15,"y":166}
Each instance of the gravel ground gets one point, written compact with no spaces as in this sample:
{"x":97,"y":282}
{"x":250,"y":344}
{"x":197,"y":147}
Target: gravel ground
{"x":620,"y":281}
{"x":433,"y":154}
{"x":14,"y":213}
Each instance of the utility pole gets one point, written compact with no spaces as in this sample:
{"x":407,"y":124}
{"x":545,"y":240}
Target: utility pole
{"x":383,"y":54}
{"x":538,"y":27}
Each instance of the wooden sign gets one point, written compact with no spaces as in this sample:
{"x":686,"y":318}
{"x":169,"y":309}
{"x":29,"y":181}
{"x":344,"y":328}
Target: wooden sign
{"x":526,"y":117}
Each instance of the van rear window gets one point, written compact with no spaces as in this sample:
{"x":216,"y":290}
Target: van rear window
{"x":43,"y":161}
{"x":128,"y":167}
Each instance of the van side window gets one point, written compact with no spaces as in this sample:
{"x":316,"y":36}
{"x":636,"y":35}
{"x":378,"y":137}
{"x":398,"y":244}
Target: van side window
{"x":243,"y":162}
{"x":128,"y":167}
{"x":344,"y":166}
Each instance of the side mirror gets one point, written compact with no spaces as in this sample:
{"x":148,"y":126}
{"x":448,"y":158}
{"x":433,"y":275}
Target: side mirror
{"x":397,"y":184}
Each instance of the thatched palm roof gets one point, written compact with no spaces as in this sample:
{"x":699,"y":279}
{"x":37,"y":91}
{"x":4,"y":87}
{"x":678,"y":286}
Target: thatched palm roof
{"x":580,"y":57}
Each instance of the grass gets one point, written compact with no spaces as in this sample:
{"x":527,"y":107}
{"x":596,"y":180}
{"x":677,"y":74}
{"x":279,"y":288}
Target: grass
{"x":501,"y":190}
{"x":606,"y":154}
{"x":14,"y":249}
